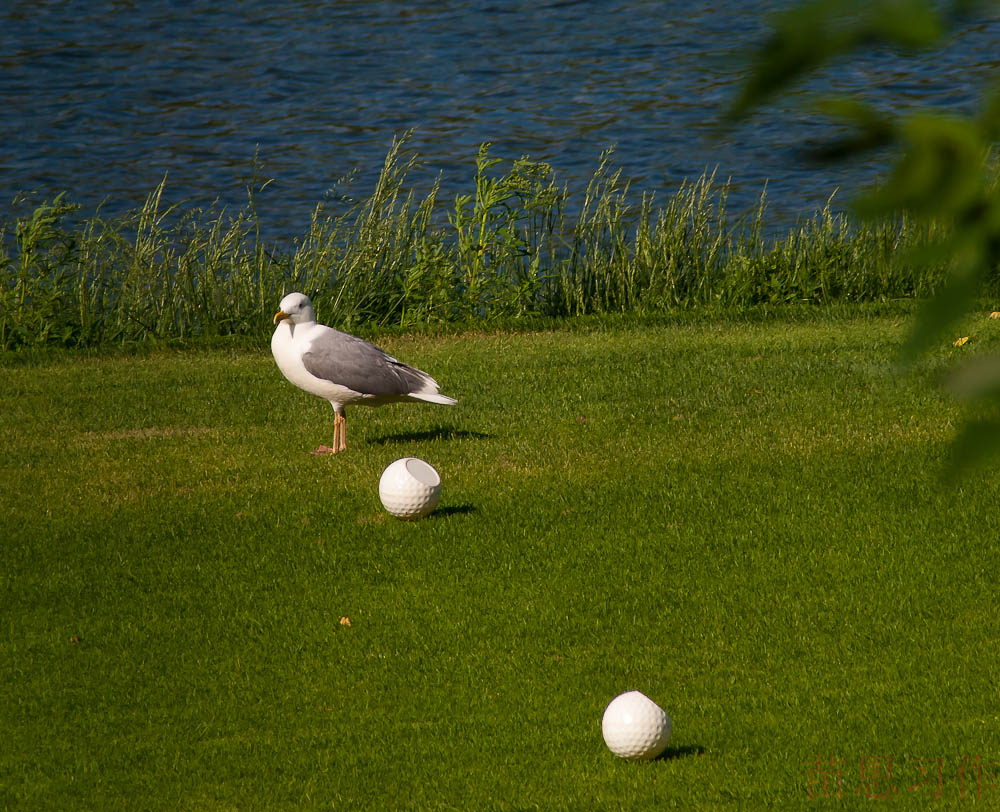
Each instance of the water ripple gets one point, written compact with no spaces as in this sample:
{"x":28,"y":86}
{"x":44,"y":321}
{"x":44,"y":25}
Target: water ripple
{"x":102,"y":99}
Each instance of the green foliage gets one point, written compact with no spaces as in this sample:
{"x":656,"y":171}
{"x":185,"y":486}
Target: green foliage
{"x":945,"y":176}
{"x":518,"y":248}
{"x":31,"y":301}
{"x":378,"y":260}
{"x":597,"y":275}
{"x":155,"y":274}
{"x":503,"y":233}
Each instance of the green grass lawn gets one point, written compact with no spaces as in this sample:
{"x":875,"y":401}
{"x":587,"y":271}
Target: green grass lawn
{"x":747,"y":522}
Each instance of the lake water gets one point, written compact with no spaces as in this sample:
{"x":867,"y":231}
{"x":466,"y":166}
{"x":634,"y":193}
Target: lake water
{"x":101,"y":99}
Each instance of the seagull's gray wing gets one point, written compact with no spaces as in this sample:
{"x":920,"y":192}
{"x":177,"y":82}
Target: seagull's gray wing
{"x":352,"y":362}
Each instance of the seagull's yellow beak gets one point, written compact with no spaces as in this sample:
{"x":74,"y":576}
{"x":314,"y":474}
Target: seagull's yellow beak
{"x":280,"y":316}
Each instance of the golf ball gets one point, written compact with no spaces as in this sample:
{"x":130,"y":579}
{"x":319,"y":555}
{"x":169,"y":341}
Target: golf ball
{"x":409,"y":488}
{"x":635,"y":727}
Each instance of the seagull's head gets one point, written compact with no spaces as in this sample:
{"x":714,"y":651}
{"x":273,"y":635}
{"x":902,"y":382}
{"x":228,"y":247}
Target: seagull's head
{"x":295,"y":307}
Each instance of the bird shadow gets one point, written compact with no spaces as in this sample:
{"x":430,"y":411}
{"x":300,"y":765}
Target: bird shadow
{"x":680,"y":752}
{"x":440,"y":433}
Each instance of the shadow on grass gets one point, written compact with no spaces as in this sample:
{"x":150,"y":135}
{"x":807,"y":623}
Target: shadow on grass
{"x":680,"y":752}
{"x":440,"y":433}
{"x":454,"y":510}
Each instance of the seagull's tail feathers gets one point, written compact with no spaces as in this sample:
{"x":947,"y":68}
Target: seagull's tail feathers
{"x":418,"y":385}
{"x":434,"y":397}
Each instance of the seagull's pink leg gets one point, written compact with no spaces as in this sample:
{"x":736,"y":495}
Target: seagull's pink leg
{"x":340,"y":420}
{"x":339,"y":441}
{"x":339,"y":435}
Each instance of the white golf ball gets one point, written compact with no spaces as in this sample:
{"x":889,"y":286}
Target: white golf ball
{"x":635,"y":727}
{"x":409,"y":488}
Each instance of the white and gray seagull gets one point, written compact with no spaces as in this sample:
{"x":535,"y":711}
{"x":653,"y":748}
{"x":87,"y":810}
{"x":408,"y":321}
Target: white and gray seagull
{"x":342,"y":368}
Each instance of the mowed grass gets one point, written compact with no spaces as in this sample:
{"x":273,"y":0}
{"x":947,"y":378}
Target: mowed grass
{"x":747,"y":522}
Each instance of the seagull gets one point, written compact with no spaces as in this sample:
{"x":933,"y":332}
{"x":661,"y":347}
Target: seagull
{"x":342,"y":368}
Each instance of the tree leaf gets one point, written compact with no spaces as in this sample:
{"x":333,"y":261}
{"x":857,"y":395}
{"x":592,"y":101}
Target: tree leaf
{"x":802,"y":39}
{"x":940,"y":173}
{"x":977,"y":441}
{"x":938,"y":315}
{"x":978,"y":378}
{"x":868,"y":129}
{"x":907,"y":23}
{"x":807,"y":36}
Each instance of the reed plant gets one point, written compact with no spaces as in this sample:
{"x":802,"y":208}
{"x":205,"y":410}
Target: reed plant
{"x":518,"y":246}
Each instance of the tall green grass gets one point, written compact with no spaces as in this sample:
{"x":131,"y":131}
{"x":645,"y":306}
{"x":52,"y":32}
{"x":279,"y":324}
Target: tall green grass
{"x":519,"y":245}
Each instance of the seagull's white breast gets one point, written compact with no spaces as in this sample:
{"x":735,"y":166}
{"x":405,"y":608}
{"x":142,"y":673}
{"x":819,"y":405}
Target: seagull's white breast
{"x":288,"y":344}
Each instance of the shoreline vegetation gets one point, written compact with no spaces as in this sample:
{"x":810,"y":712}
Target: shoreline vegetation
{"x":516,"y":249}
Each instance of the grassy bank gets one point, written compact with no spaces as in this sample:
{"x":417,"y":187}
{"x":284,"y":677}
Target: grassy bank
{"x":744,"y":521}
{"x":517,"y":246}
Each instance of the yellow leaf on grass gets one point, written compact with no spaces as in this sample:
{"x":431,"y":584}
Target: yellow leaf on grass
{"x":964,"y":340}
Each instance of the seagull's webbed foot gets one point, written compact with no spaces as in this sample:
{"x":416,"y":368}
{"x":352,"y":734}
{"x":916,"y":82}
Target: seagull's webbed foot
{"x":339,"y":438}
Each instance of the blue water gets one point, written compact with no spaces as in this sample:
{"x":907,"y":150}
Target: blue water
{"x":102,"y":99}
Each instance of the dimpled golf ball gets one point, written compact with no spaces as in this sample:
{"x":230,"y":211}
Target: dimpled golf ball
{"x":409,"y":488}
{"x":635,"y":727}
